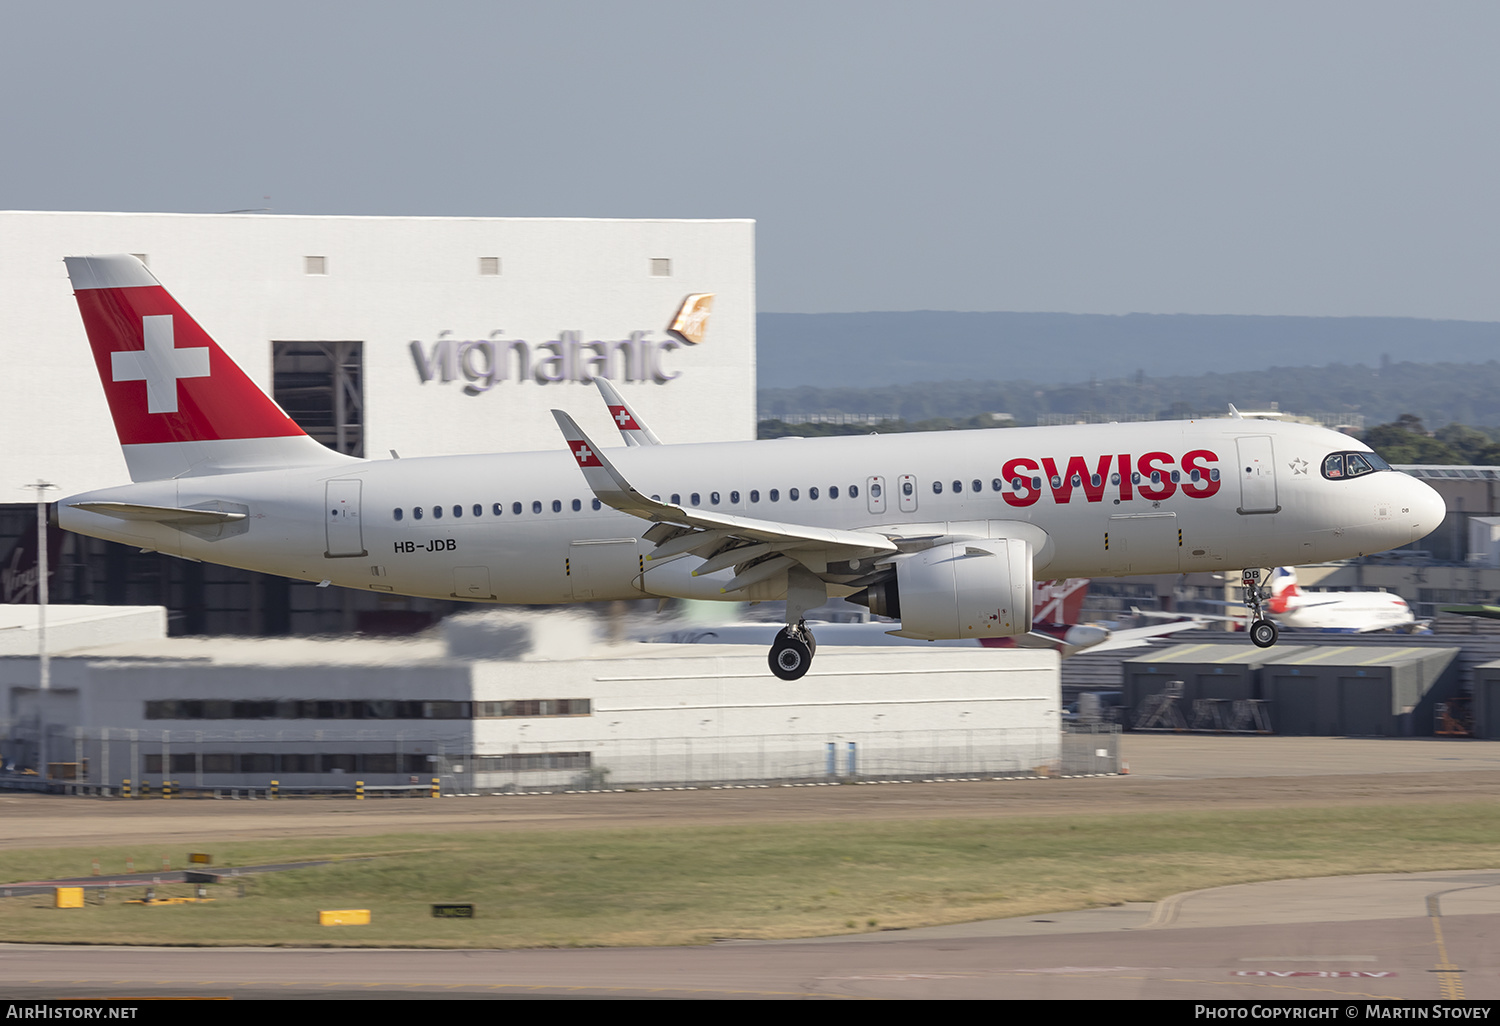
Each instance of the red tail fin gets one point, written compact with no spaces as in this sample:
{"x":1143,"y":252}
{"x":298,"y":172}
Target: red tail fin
{"x":1059,"y":601}
{"x":179,"y":402}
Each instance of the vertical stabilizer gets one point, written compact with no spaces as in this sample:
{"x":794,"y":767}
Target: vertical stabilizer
{"x":180,"y":404}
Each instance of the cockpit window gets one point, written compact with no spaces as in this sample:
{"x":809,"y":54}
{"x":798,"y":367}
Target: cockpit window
{"x":1339,"y":465}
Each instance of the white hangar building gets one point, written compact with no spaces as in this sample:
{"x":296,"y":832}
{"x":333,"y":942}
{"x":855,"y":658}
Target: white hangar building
{"x":422,"y":335}
{"x":510,"y":702}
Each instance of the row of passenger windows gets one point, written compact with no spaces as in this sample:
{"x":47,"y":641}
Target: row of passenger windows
{"x":795,"y":494}
{"x":457,"y":511}
{"x":1156,"y":477}
{"x":477,"y":510}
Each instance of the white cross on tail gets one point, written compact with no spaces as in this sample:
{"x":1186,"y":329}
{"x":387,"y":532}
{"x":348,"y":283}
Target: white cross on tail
{"x":160,"y":364}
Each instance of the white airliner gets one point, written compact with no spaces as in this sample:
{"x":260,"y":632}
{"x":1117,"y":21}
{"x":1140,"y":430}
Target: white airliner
{"x":1342,"y":612}
{"x":944,"y":531}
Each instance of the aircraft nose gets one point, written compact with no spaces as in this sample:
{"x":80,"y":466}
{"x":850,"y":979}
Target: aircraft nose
{"x":1426,"y":509}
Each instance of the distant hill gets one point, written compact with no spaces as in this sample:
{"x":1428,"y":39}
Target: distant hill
{"x":863,"y":350}
{"x":1438,"y":393}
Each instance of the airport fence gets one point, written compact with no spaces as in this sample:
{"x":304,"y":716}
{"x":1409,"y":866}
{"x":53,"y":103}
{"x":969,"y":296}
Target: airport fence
{"x":250,"y":763}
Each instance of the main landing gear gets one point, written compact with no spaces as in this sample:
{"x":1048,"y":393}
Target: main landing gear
{"x":1262,"y":631}
{"x":792,"y":651}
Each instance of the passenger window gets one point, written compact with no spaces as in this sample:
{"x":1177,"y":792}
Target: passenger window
{"x":792,"y":494}
{"x":874,"y":491}
{"x":833,"y":491}
{"x":557,"y":505}
{"x":907,"y":488}
{"x":854,"y":491}
{"x":1096,"y":480}
{"x":694,"y":498}
{"x":713,"y":498}
{"x":577,"y":505}
{"x":996,"y":485}
{"x":734,"y":498}
{"x":676,"y":499}
{"x":499,"y":509}
{"x":754,"y":495}
{"x":458,"y":511}
{"x":1077,"y":481}
{"x":478,"y":509}
{"x":598,"y":504}
{"x":775,"y":495}
{"x":937,"y":488}
{"x":437,"y":512}
{"x":958,"y":486}
{"x":812,"y":493}
{"x":515,"y":508}
{"x":975,"y":486}
{"x":536,"y":506}
{"x":397,"y":513}
{"x":416,"y":512}
{"x":1056,"y":481}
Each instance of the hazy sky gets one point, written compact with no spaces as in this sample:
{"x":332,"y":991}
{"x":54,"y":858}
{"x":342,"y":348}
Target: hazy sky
{"x":1259,"y":158}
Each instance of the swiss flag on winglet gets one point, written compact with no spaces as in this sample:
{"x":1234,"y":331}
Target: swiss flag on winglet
{"x":623,"y":418}
{"x":584,"y":454}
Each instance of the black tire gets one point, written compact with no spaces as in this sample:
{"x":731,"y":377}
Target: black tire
{"x":1263,"y":633}
{"x":789,"y":658}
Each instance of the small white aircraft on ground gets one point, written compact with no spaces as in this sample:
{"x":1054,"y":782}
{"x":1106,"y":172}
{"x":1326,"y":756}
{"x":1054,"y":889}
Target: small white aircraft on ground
{"x":943,"y":531}
{"x":1339,"y":612}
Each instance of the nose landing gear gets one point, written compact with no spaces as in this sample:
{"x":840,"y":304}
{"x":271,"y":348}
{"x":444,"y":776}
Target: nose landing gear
{"x":1263,"y":632}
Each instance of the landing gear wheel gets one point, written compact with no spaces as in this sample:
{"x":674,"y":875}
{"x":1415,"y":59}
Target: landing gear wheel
{"x":791,"y":654}
{"x":1263,"y":633}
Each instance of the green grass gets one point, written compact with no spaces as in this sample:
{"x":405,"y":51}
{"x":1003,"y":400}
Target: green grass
{"x":687,"y":885}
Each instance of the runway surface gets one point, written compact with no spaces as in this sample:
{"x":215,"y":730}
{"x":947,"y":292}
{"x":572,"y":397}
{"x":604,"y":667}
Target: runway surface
{"x":1427,"y":936}
{"x":1421,"y":936}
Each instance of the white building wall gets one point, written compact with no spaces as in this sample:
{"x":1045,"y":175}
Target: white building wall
{"x":390,"y":281}
{"x":660,"y":714}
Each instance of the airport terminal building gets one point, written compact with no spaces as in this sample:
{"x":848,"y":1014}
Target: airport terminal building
{"x":413,"y":336}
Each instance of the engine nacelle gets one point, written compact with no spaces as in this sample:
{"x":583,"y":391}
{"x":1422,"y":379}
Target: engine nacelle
{"x":971,"y":589}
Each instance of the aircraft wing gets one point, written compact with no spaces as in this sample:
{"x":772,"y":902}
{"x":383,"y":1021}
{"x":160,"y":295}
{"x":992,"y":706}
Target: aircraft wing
{"x":1194,"y":618}
{"x":721,"y":538}
{"x":1134,"y":637}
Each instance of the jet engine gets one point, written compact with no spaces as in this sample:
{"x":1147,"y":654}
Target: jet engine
{"x":968,"y":589}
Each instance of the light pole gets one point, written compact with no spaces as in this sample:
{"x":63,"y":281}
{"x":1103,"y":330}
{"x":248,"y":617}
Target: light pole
{"x":43,"y":660}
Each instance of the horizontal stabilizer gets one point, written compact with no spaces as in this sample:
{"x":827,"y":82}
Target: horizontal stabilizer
{"x":158,"y":514}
